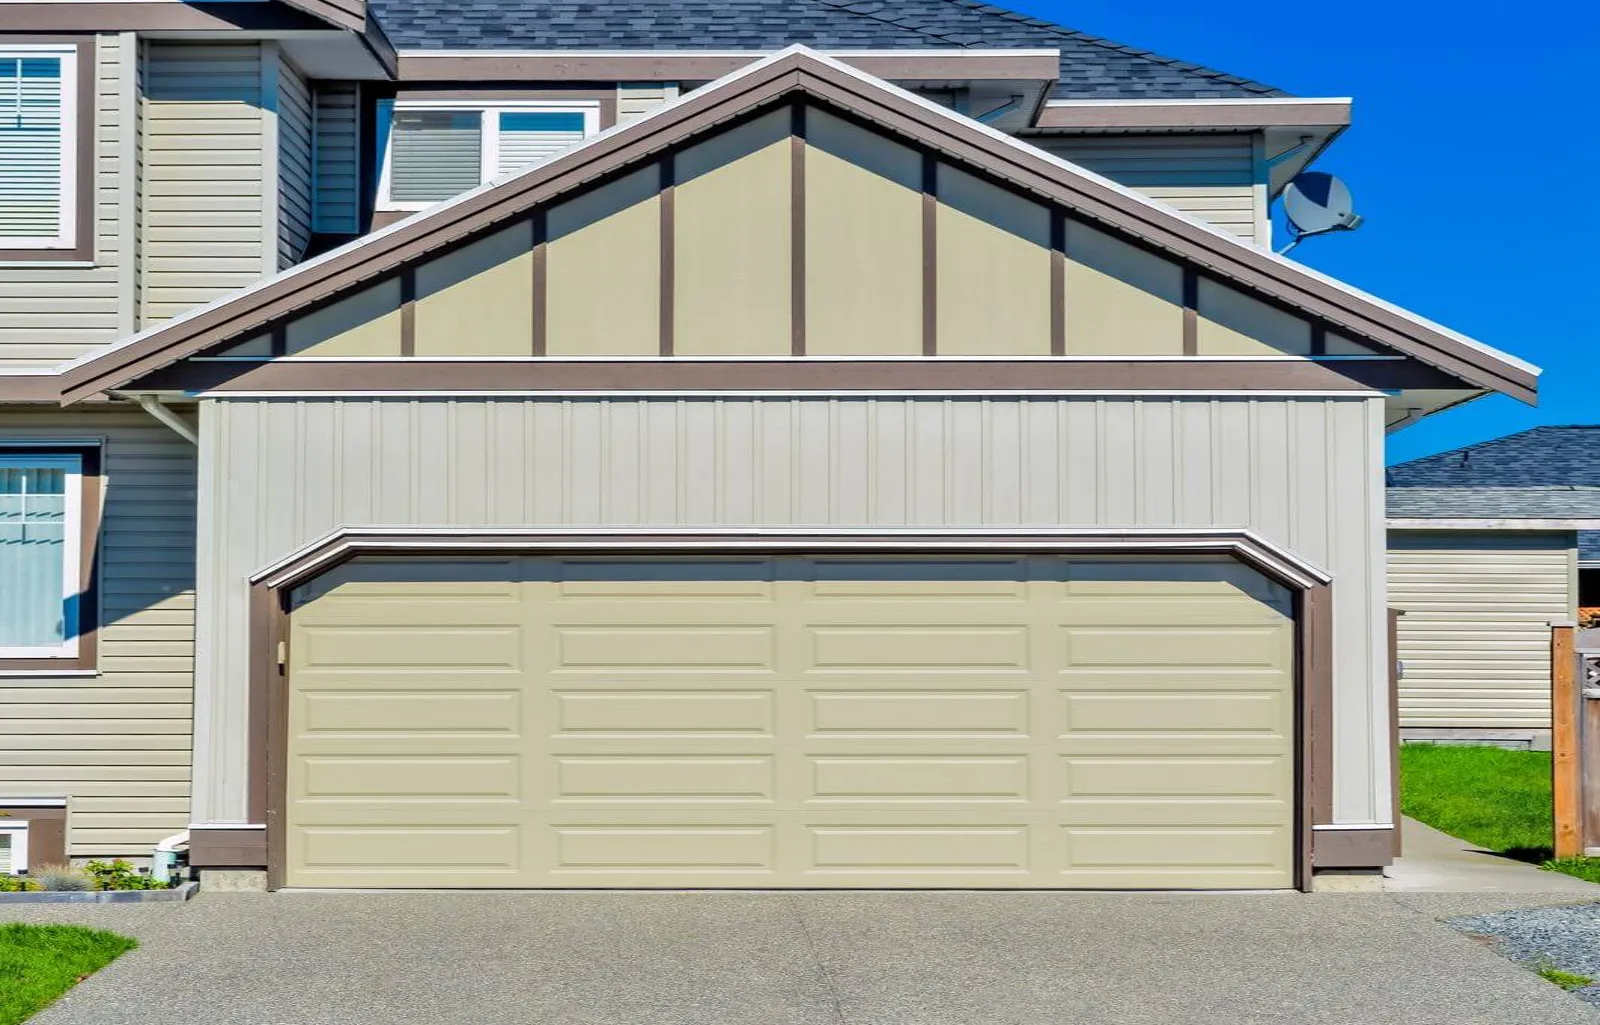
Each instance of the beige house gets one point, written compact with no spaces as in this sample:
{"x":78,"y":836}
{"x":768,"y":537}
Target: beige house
{"x":1489,"y":548}
{"x":753,"y":470}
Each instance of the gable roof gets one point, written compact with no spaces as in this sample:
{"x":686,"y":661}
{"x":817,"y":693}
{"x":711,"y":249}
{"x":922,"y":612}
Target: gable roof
{"x":1091,"y":68}
{"x":1544,"y":473}
{"x":799,"y":71}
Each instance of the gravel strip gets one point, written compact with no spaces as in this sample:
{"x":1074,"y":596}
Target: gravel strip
{"x":1567,"y":938}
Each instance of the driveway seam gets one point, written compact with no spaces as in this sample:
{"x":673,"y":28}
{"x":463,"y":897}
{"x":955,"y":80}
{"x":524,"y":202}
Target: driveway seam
{"x":816,"y":956}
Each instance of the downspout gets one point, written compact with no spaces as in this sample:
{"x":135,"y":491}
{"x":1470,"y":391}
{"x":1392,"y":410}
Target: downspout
{"x":154,"y":406}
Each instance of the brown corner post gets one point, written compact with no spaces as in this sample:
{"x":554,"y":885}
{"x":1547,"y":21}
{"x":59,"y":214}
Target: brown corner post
{"x":1566,"y":765}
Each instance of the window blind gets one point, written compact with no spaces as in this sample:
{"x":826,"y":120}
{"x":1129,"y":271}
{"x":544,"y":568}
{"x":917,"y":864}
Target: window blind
{"x":436,"y":154}
{"x":31,"y":129}
{"x":33,"y":549}
{"x":527,"y":138}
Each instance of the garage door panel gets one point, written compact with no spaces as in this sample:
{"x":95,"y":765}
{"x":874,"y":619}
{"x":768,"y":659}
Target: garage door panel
{"x":411,"y":712}
{"x":608,"y":779}
{"x":795,"y":722}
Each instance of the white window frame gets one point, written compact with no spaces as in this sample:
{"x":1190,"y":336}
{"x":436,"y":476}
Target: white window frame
{"x":489,"y":134}
{"x":18,"y":828}
{"x":67,"y":236}
{"x":72,"y":554}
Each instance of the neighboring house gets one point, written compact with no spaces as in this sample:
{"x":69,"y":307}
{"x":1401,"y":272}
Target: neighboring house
{"x":788,"y":470}
{"x":1489,"y":545}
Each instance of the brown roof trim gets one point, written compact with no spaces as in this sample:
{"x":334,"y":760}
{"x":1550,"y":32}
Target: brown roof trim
{"x":692,"y":66}
{"x":1023,"y":166}
{"x":347,"y":14}
{"x":164,"y":16}
{"x":1265,"y":113}
{"x":30,"y":388}
{"x":332,"y":376}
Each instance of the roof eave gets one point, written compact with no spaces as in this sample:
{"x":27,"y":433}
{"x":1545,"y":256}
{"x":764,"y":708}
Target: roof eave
{"x":763,"y":83}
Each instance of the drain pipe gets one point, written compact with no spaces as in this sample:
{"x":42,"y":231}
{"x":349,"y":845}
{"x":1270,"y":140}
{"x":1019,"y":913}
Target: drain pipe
{"x":166,"y":854}
{"x":154,"y":406}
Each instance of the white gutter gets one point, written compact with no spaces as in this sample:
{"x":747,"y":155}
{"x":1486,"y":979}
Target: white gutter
{"x":1491,"y":523}
{"x":152,"y":404}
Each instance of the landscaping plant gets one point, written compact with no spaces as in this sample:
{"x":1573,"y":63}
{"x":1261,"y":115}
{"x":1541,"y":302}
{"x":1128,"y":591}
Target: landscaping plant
{"x":120,"y":875}
{"x":61,"y":877}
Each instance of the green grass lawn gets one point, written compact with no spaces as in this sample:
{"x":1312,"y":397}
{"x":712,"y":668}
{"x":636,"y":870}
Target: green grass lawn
{"x":1497,"y":799}
{"x":38,"y":963}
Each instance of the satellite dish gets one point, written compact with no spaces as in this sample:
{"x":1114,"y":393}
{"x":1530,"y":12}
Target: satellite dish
{"x":1317,"y":203}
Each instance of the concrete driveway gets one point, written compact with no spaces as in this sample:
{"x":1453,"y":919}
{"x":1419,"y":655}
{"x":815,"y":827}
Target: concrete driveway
{"x":759,"y":958}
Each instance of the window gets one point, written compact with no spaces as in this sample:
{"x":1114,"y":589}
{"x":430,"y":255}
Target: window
{"x":433,"y":150}
{"x":47,"y":606}
{"x":38,"y":147}
{"x":13,"y":847}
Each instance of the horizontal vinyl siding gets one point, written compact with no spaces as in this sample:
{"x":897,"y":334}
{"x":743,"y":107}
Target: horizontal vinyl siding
{"x":50,"y":314}
{"x":277,"y":474}
{"x":336,"y":200}
{"x":1211,"y":177}
{"x":118,"y":744}
{"x":202,"y":232}
{"x":1475,"y":637}
{"x":636,"y":99}
{"x":294,"y":165}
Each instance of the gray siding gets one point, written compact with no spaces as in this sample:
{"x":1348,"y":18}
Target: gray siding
{"x":336,"y":149}
{"x":202,"y":230}
{"x":294,"y":164}
{"x":1305,"y":473}
{"x":1210,"y":177}
{"x":118,"y":744}
{"x":1475,"y":637}
{"x":53,"y":313}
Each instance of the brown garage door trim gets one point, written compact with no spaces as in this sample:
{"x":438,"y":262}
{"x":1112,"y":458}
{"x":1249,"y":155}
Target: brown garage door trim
{"x":270,"y":588}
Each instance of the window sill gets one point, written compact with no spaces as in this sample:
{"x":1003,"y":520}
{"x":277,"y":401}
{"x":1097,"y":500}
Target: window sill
{"x":40,"y":263}
{"x":7,"y":673}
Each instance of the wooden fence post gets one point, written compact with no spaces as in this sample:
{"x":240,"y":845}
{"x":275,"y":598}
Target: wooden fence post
{"x":1565,"y":742}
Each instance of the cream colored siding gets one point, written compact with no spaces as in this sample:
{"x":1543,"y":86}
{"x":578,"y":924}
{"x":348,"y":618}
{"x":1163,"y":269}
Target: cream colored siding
{"x":50,"y":314}
{"x":748,"y":722}
{"x":294,"y":164}
{"x":203,"y":232}
{"x":336,"y":156}
{"x":1305,"y":473}
{"x":1211,"y":177}
{"x":1475,"y":637}
{"x":117,"y":744}
{"x":635,"y":99}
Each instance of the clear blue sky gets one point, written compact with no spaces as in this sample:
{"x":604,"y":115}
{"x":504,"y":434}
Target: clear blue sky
{"x":1474,"y":154}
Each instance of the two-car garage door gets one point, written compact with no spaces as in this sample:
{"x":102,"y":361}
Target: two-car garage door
{"x":791,"y":721}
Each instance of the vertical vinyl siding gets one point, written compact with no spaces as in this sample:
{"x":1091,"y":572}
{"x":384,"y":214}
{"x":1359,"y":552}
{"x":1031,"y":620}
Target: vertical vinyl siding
{"x":118,"y":744}
{"x":1475,"y":637}
{"x":336,"y":201}
{"x":50,"y":314}
{"x":1210,"y":177}
{"x":1304,"y":473}
{"x":202,"y":230}
{"x":294,"y":165}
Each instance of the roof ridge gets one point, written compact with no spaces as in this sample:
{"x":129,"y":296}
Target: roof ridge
{"x":1111,"y":44}
{"x":894,"y":16}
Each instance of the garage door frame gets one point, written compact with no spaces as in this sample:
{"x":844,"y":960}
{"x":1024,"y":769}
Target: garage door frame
{"x":270,"y":589}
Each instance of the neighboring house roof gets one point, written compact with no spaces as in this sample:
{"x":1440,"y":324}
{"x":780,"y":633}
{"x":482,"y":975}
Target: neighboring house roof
{"x":802,"y":72}
{"x":1091,"y":68}
{"x":1548,"y":473}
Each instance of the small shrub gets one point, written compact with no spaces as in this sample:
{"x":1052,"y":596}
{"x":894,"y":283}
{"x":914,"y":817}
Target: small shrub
{"x":119,"y":875}
{"x":61,"y":877}
{"x":18,"y":884}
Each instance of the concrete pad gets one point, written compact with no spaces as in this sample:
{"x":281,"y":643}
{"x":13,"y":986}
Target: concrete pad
{"x":931,"y":958}
{"x":1435,"y":862}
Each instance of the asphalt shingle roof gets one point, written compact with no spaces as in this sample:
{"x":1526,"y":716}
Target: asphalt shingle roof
{"x":1543,"y":473}
{"x":1091,"y":68}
